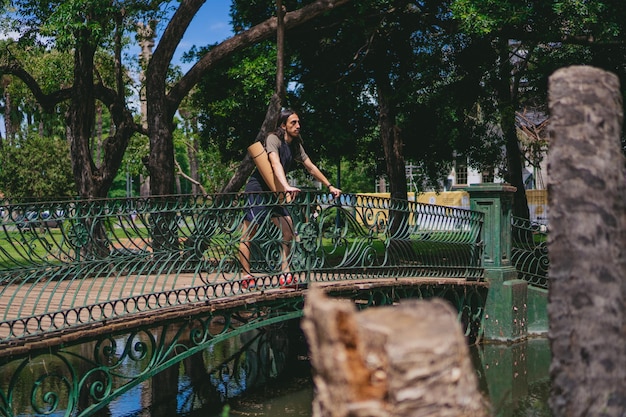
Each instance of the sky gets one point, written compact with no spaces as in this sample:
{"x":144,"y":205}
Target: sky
{"x":210,"y":25}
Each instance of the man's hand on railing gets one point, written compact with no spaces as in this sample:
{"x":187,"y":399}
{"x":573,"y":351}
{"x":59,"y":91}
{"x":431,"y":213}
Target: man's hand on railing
{"x":336,"y":192}
{"x":293,"y":191}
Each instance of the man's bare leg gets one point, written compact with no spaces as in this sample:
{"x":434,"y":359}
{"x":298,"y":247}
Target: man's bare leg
{"x":285,"y":224}
{"x":247,"y":234}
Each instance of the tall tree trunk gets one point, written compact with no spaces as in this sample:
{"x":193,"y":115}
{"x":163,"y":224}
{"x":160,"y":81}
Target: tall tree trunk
{"x":391,"y":141}
{"x":159,"y":109}
{"x":145,"y":36}
{"x":94,"y":180}
{"x":587,"y":184}
{"x":161,"y":157}
{"x":80,"y":119}
{"x":8,"y":110}
{"x":393,"y":145}
{"x":507,"y":105}
{"x":162,"y":106}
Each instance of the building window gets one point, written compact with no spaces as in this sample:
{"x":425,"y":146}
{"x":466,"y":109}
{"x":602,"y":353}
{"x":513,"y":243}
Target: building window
{"x":460,"y":166}
{"x":487,"y":175}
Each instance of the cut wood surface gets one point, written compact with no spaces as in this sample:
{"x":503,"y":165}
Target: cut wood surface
{"x":405,"y":360}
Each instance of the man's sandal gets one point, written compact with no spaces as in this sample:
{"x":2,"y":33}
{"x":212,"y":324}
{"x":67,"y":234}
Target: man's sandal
{"x":248,"y":282}
{"x":288,"y":281}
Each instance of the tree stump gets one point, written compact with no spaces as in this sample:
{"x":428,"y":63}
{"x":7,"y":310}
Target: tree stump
{"x":587,"y":206}
{"x":406,"y":360}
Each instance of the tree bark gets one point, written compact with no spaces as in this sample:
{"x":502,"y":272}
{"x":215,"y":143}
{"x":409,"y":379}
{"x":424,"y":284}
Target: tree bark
{"x":80,"y":118}
{"x":391,"y":140}
{"x":396,"y":171}
{"x":507,"y":105}
{"x":162,"y":106}
{"x":586,"y":244}
{"x":406,"y":360}
{"x":247,"y":165}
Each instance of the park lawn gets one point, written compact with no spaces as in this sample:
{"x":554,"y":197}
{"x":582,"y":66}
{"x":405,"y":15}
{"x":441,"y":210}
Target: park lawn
{"x":27,"y":248}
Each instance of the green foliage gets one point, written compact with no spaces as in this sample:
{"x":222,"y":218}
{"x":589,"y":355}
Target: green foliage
{"x":68,"y":22}
{"x":358,"y":176}
{"x":71,"y":17}
{"x":213,"y":172}
{"x":38,"y":168}
{"x":232,"y":99}
{"x":53,"y":70}
{"x":486,"y":16}
{"x":542,"y":37}
{"x":602,"y":19}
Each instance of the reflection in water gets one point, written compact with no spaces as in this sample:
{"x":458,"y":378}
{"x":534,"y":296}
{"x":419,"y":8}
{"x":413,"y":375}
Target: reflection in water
{"x":270,"y":367}
{"x":515,"y":377}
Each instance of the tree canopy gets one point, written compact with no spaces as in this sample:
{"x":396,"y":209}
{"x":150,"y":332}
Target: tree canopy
{"x":85,"y":28}
{"x":377,"y":83}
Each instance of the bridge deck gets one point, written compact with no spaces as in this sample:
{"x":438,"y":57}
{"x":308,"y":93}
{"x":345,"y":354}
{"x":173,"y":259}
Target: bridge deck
{"x":92,"y":263}
{"x":40,"y":297}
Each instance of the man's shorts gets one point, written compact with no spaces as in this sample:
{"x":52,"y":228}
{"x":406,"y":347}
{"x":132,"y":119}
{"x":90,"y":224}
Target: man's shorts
{"x":257,"y":209}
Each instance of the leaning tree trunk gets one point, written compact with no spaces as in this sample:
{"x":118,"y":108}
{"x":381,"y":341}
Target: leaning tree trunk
{"x":162,"y":106}
{"x":247,"y":165}
{"x":586,"y":244}
{"x":161,"y":158}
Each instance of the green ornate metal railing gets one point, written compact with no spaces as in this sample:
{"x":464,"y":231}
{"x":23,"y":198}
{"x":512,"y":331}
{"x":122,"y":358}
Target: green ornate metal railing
{"x":77,"y":379}
{"x":529,"y":251}
{"x":67,"y":264}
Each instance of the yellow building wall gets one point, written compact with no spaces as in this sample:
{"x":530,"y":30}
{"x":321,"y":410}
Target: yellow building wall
{"x":537,"y":201}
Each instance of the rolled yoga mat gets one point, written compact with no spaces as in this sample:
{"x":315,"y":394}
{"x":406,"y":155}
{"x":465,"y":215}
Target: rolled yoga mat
{"x":261,"y":160}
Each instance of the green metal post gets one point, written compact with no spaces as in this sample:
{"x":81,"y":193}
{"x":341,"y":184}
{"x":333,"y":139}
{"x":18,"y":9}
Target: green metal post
{"x":506,"y":309}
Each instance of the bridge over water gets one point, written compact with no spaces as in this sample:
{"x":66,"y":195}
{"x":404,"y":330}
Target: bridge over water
{"x":128,"y":271}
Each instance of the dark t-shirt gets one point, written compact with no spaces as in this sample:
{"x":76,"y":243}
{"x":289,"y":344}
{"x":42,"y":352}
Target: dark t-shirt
{"x":287,"y":154}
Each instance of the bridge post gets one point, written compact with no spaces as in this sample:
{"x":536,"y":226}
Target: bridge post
{"x":506,"y":309}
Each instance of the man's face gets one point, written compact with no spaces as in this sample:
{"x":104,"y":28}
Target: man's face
{"x":292,"y":127}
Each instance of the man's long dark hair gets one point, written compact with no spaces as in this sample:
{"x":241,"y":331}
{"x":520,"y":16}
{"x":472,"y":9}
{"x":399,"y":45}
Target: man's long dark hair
{"x":282,"y":119}
{"x":280,"y":132}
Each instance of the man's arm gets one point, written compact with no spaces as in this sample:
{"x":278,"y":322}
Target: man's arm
{"x":319,"y":175}
{"x":279,"y":173}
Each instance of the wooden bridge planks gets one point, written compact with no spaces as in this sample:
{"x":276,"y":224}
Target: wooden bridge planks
{"x":43,"y":298}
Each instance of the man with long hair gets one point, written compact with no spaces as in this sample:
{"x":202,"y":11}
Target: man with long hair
{"x":283,"y":146}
